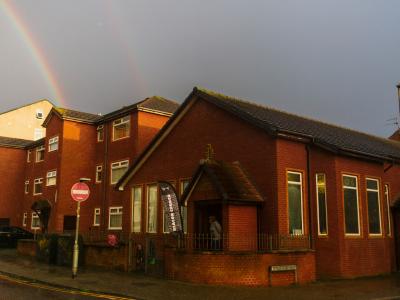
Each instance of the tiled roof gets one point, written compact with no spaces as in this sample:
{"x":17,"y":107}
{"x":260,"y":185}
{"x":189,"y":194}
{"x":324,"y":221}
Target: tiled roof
{"x":155,"y":104}
{"x":14,"y":143}
{"x":78,"y":115}
{"x":229,"y":179}
{"x":321,"y":133}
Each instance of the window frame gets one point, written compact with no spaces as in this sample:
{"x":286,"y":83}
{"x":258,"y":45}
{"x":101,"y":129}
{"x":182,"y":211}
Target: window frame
{"x":28,"y":155}
{"x":99,"y":170}
{"x":53,"y":141}
{"x":24,"y":219}
{"x":35,"y":182}
{"x":148,"y":186}
{"x":100,"y":133}
{"x":379,"y":204}
{"x":358,"y":205}
{"x":121,"y":121}
{"x":113,"y":168}
{"x":54,"y":173}
{"x":326,"y":204}
{"x":386,"y":190}
{"x":41,"y":149}
{"x":26,"y":187}
{"x":301,"y":200}
{"x":96,"y":213}
{"x":119,"y":212}
{"x":133,"y":199}
{"x":35,"y":216}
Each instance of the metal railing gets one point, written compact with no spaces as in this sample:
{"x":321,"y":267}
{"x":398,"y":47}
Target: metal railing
{"x":236,"y":242}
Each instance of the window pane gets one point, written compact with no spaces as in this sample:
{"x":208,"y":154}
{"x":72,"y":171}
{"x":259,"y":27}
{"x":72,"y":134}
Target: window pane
{"x":372,"y":184}
{"x":350,"y":181}
{"x":117,"y":173}
{"x":116,"y":221}
{"x":373,"y":213}
{"x":294,"y":177}
{"x":295,"y":213}
{"x":322,"y":209}
{"x":137,"y":209}
{"x":152,"y":208}
{"x":351,"y":210}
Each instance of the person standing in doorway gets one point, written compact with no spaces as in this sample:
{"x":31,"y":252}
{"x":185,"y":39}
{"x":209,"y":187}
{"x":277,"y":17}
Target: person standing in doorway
{"x":215,"y":233}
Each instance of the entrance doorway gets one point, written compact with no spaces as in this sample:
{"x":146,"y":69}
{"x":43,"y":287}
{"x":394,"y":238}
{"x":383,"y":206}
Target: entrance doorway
{"x":69,"y":223}
{"x":203,"y":210}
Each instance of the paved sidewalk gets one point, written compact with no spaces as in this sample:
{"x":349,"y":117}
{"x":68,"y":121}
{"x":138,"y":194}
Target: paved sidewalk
{"x":144,"y":287}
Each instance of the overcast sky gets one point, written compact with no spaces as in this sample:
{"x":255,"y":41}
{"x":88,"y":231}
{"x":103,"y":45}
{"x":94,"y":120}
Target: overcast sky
{"x":337,"y":61}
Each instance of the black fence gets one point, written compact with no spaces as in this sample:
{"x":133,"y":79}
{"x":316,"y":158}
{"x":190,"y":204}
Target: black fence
{"x":259,"y":242}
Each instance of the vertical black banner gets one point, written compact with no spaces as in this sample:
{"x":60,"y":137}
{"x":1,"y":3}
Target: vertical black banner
{"x":171,"y":206}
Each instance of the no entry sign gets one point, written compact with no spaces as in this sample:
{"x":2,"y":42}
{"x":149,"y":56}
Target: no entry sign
{"x":80,"y":191}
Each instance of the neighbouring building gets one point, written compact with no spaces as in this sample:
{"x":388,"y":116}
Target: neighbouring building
{"x":77,"y":145}
{"x":25,"y":122}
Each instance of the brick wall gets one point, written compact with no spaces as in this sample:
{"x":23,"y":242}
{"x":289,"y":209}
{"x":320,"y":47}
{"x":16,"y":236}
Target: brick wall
{"x":238,"y":269}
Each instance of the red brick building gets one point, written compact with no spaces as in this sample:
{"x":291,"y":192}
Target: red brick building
{"x":323,"y":204}
{"x":80,"y":145}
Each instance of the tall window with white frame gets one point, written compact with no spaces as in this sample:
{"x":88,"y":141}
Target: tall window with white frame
{"x":374,"y":208}
{"x":99,"y":173}
{"x":115,"y":218}
{"x":118,"y":169}
{"x":51,"y":178}
{"x":35,"y":221}
{"x":136,"y":209}
{"x":351,"y":210}
{"x":387,"y":202}
{"x":96,"y":217}
{"x":152,"y":195}
{"x":53,"y":144}
{"x":295,"y":201}
{"x":184,"y":184}
{"x":121,"y":128}
{"x":24,"y":218}
{"x":37,"y":186}
{"x":39,"y":153}
{"x":321,"y":204}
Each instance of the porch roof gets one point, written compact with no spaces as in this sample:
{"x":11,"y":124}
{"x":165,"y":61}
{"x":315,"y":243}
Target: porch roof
{"x":230,"y":181}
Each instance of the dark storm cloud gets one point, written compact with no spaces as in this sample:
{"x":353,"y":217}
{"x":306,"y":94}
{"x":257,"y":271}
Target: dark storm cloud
{"x":332,"y":60}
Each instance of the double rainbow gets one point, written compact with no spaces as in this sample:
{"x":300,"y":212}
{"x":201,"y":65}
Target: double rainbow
{"x":34,"y":48}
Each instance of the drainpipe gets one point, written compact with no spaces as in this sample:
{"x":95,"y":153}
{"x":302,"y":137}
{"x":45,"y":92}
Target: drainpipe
{"x":310,"y":227}
{"x":105,"y":178}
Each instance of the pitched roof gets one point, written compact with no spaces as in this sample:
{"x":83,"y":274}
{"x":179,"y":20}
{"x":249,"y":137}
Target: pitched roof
{"x":279,"y":123}
{"x":14,"y":143}
{"x":25,"y":105}
{"x":229,"y":179}
{"x":321,"y":133}
{"x":155,"y":104}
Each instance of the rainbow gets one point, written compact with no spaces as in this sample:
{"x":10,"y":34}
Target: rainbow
{"x":35,"y":50}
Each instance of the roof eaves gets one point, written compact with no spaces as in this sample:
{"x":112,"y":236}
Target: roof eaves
{"x":165,"y":130}
{"x":153,"y":111}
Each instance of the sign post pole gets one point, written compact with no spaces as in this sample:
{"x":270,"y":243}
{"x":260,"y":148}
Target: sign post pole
{"x":76,"y":246}
{"x":79,"y":192}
